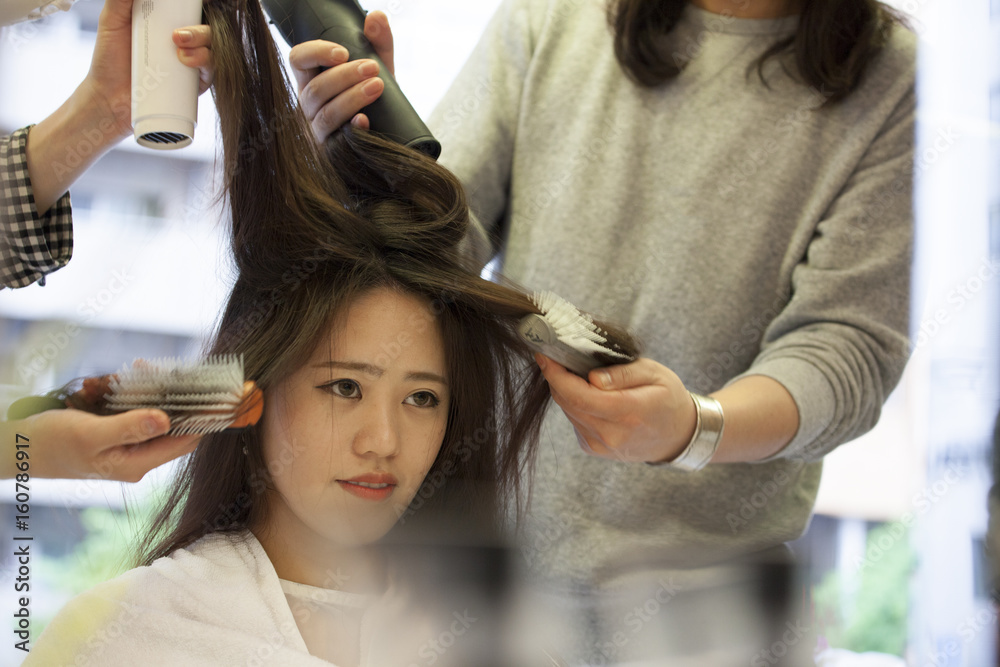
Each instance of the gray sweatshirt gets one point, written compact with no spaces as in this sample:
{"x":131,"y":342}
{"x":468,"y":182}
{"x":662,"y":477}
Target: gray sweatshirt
{"x":737,"y":228}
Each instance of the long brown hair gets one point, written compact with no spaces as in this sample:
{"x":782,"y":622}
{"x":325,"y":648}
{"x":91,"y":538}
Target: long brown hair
{"x":314,"y":229}
{"x":831,"y":49}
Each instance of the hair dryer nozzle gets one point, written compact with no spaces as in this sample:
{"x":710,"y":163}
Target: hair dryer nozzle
{"x":342,"y":21}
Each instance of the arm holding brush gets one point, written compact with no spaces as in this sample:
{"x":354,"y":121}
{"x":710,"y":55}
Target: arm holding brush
{"x":642,"y":412}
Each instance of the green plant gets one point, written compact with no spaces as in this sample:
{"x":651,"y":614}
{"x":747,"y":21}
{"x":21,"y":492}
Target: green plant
{"x":874,"y":617}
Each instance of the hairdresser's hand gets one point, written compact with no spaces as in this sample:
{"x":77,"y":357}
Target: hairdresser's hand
{"x":107,"y":89}
{"x":73,"y":444}
{"x":194,"y":49}
{"x":631,"y":412}
{"x":94,"y":118}
{"x":108,"y":85}
{"x":331,"y":98}
{"x":97,"y":115}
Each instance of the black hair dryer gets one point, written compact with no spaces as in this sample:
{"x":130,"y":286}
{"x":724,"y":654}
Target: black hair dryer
{"x":343,"y":21}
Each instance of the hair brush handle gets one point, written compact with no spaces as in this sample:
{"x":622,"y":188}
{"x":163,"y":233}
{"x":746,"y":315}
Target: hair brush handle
{"x":89,"y":398}
{"x":343,"y":21}
{"x":27,"y":406}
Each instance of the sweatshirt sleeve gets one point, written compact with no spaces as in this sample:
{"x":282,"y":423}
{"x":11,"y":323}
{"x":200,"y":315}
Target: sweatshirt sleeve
{"x":476,"y":121}
{"x":840,"y":344}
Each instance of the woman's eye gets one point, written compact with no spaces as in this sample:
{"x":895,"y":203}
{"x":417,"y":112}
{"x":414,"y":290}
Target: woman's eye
{"x":343,"y":388}
{"x":423,"y":399}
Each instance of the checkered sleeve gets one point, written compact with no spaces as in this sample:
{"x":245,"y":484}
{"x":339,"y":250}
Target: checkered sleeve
{"x":30,"y":245}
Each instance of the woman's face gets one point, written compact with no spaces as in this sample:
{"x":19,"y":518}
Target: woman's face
{"x":350,"y":436}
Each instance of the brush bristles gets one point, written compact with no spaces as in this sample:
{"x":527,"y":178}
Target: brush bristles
{"x":200,"y":397}
{"x":573,"y":327}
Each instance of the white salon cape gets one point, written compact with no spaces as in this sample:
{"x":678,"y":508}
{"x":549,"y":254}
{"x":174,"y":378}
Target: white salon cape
{"x":216,"y":602}
{"x":15,"y":11}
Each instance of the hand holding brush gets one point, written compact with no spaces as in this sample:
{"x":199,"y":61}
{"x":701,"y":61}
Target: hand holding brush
{"x":115,"y":422}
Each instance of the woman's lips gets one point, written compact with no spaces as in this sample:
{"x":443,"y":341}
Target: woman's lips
{"x":370,"y":486}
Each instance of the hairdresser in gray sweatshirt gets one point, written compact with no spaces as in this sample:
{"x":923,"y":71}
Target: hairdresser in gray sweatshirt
{"x":730,"y":179}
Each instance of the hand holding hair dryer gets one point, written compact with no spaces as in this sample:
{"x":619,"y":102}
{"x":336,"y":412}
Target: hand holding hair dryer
{"x":342,"y":21}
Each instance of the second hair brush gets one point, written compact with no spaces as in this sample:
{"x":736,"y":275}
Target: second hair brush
{"x":568,"y":336}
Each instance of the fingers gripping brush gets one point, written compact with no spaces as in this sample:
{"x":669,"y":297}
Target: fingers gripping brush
{"x":202,"y":397}
{"x":568,"y":336}
{"x":343,"y":22}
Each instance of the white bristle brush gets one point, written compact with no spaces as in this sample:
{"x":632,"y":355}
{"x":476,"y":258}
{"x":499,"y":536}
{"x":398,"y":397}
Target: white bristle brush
{"x":566,"y":335}
{"x":200,"y":397}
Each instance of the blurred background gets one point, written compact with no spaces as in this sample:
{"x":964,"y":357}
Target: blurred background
{"x":895,"y":559}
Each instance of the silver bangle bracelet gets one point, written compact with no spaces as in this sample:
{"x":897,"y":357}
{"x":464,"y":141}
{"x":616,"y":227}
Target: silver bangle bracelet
{"x":707,"y":435}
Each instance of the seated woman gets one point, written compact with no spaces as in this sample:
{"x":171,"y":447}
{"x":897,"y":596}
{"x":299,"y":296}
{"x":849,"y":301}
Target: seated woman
{"x":398,"y":399}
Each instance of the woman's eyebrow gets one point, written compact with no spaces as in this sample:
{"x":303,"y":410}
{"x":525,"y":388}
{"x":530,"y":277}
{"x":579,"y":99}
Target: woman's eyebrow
{"x":368,"y":369}
{"x":427,"y":377}
{"x":377,"y":371}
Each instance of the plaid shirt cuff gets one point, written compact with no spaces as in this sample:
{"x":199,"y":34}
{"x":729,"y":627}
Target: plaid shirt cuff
{"x":30,"y":245}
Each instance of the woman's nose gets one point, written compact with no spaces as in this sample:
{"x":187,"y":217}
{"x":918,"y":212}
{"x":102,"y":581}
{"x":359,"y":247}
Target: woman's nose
{"x":378,"y":433}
